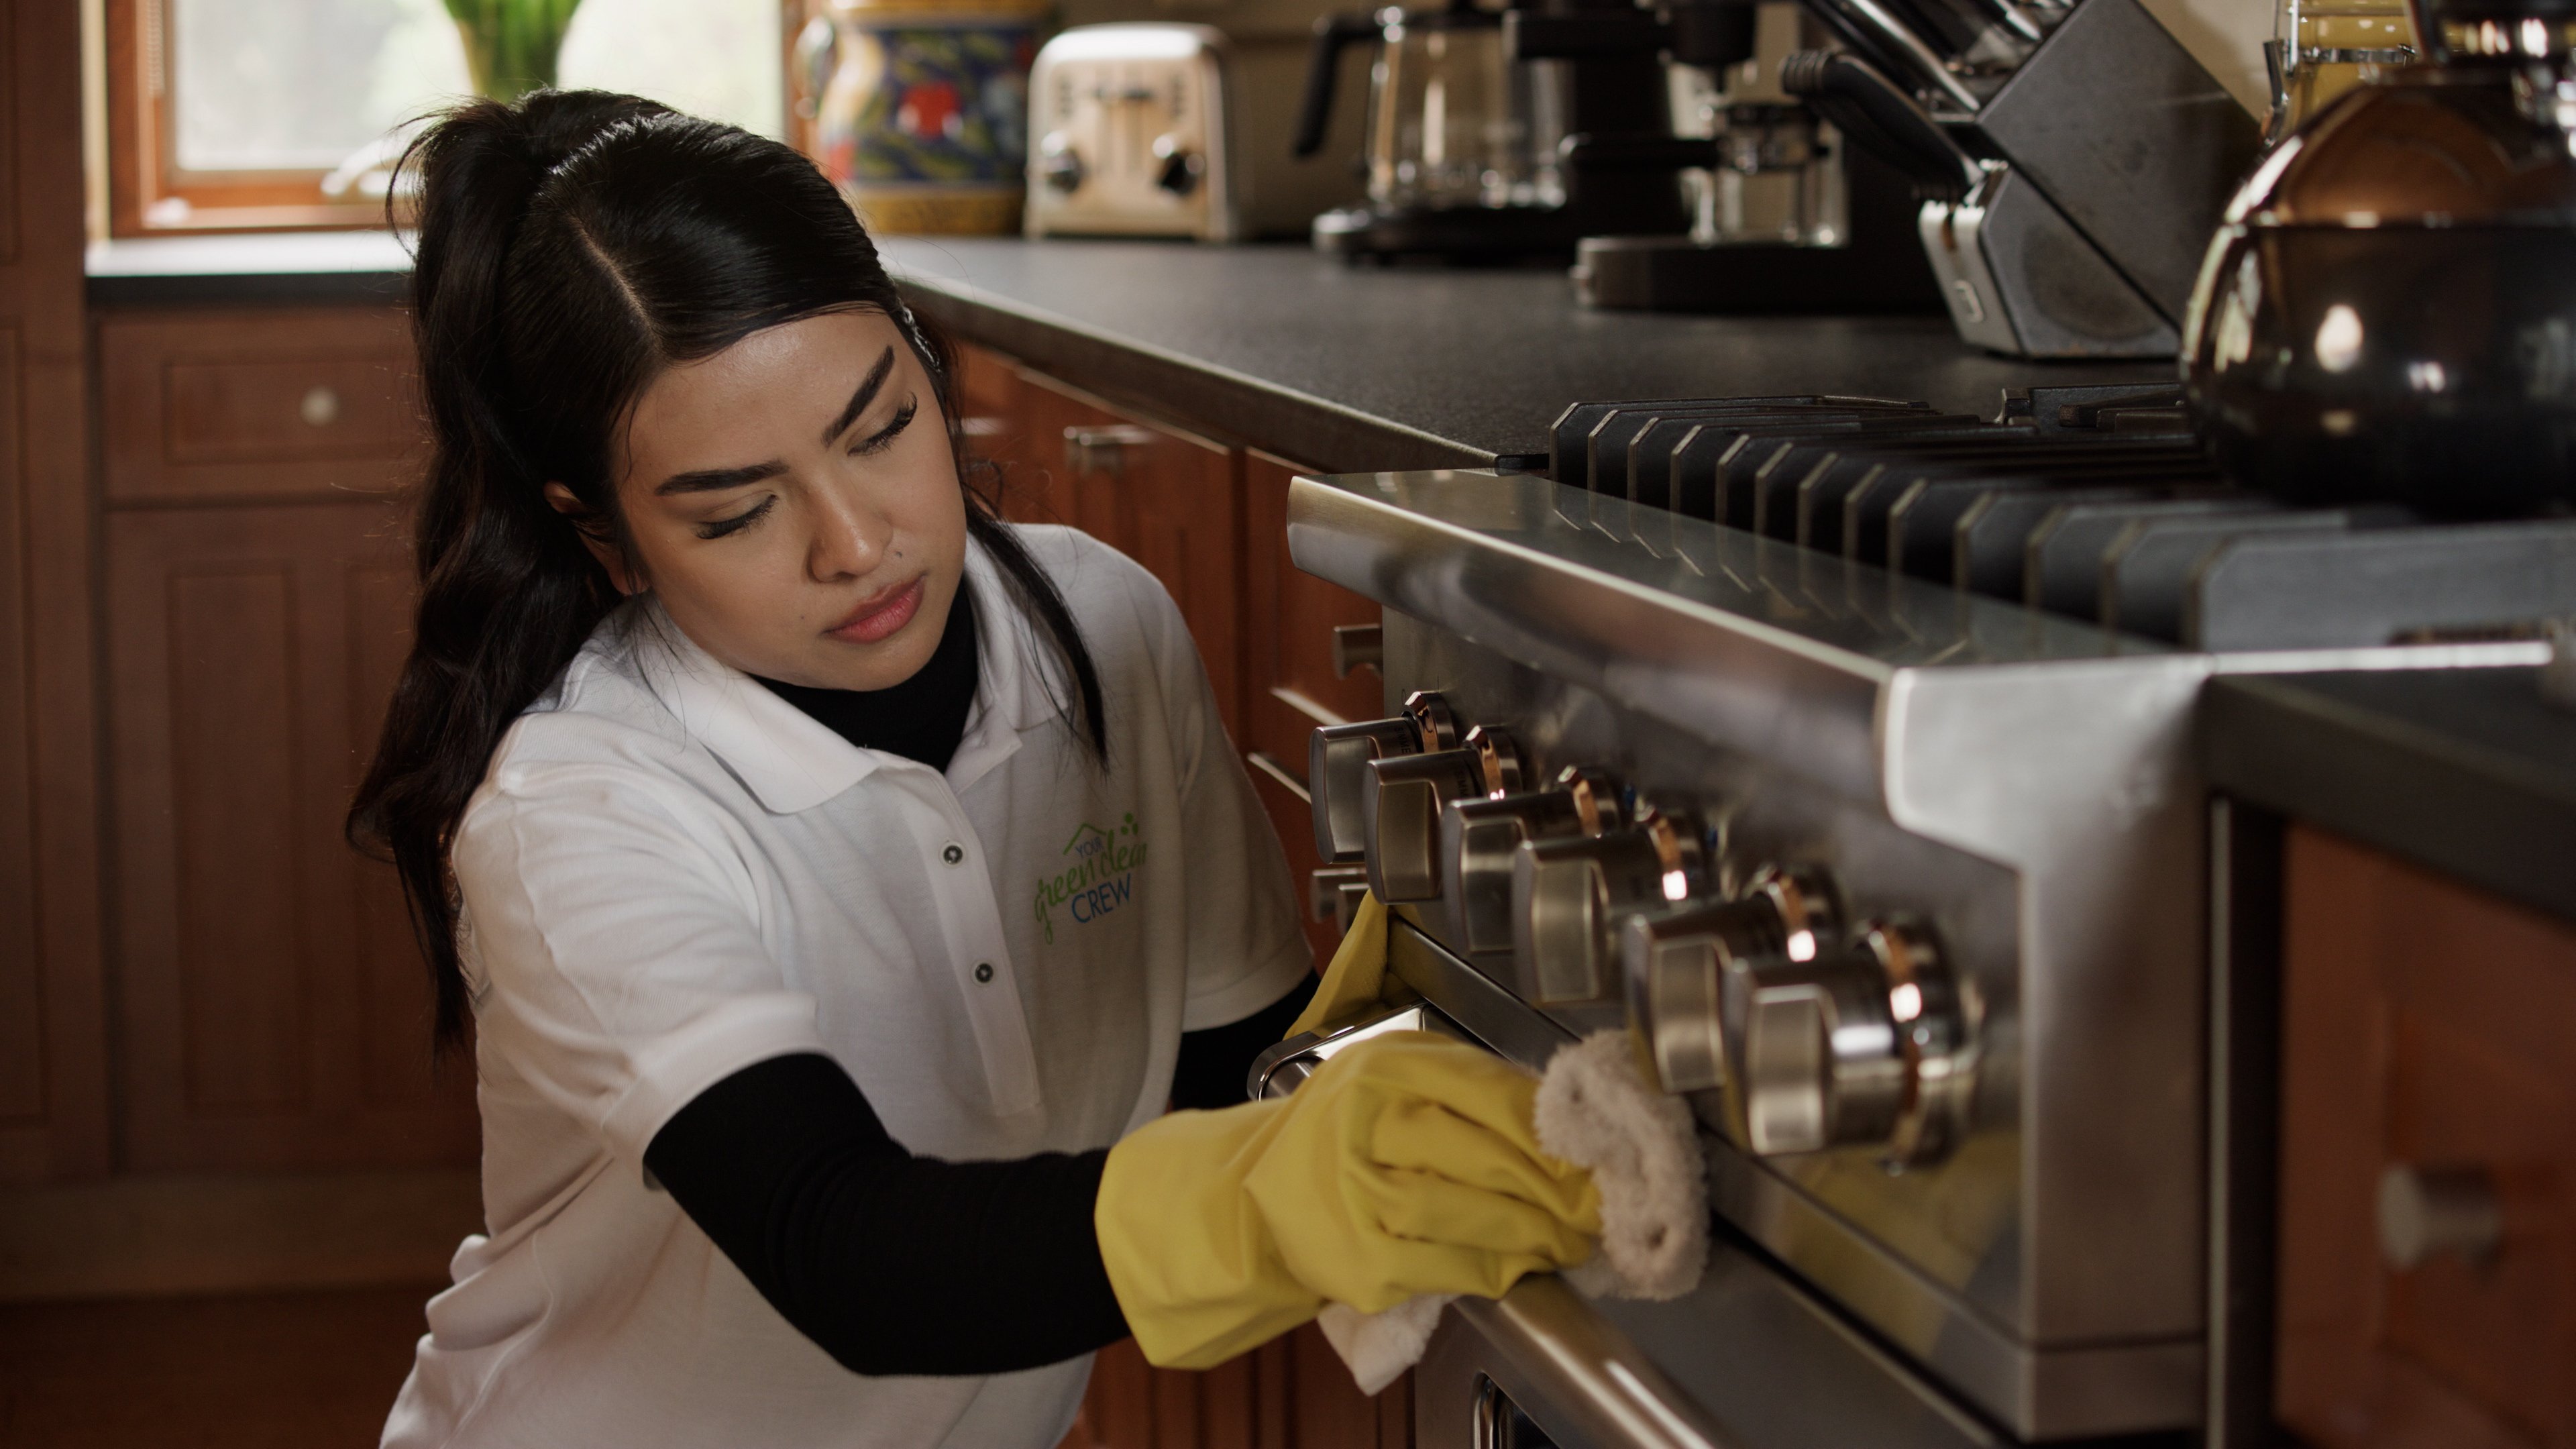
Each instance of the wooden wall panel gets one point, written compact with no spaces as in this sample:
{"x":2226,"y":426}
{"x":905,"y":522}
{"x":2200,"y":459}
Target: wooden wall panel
{"x":274,"y":1007}
{"x":53,"y":1098}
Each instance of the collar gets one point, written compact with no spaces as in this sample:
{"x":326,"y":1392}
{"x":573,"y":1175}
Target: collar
{"x":793,"y":762}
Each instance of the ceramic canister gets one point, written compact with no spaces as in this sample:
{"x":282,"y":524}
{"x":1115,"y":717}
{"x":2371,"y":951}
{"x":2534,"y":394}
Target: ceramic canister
{"x":924,"y":123}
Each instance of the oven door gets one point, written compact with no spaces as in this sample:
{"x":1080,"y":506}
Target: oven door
{"x":1747,"y":1359}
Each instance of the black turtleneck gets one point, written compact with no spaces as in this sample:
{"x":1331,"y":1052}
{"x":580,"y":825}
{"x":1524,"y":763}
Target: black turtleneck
{"x":892,"y":1263}
{"x":922,"y":718}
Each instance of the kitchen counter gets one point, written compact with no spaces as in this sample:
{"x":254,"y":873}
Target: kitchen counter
{"x":1362,"y":368}
{"x":2463,"y":771}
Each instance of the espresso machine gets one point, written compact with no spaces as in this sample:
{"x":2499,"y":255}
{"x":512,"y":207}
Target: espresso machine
{"x":1785,"y":215}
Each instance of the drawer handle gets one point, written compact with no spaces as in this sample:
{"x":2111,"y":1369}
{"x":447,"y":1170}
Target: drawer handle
{"x":320,"y":407}
{"x":1358,"y":646}
{"x":2425,"y":1212}
{"x":1102,"y":450}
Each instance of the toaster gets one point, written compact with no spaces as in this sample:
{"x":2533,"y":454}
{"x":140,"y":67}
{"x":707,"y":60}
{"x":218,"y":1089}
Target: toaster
{"x":1129,"y":136}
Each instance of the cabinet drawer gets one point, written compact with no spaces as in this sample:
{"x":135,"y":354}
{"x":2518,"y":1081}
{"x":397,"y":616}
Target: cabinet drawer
{"x":2428,"y":1171}
{"x":278,"y":403}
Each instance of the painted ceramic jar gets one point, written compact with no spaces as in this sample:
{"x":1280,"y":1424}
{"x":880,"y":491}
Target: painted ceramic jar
{"x":923,"y":123}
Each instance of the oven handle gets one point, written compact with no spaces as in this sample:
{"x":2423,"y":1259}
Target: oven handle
{"x":1583,"y":1377}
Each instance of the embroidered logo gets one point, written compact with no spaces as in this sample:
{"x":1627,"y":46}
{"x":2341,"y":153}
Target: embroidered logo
{"x":1100,"y":878}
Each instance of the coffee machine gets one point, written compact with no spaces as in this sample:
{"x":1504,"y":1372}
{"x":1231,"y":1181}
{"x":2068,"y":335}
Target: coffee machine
{"x":1467,"y":155}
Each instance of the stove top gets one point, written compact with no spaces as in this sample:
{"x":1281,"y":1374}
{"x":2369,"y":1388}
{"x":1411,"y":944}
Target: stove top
{"x":2093,"y":503}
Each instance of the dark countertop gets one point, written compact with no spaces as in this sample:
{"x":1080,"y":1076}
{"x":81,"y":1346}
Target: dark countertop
{"x":2464,"y":771}
{"x":1355,"y":369}
{"x":2468,"y":772}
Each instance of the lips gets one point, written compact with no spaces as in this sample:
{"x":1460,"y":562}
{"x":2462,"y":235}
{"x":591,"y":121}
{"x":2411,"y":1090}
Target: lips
{"x":879,"y":615}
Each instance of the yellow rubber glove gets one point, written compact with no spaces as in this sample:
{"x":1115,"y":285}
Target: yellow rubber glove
{"x":1356,"y":978}
{"x":1405,"y":1165}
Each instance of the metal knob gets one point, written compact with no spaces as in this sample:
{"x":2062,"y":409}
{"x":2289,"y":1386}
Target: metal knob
{"x":1401,"y":808}
{"x":1478,"y":839}
{"x":2425,"y":1212}
{"x":1689,"y":971}
{"x":1870,"y":1043}
{"x":1568,"y":896}
{"x":1337,"y":760}
{"x":1059,"y":165}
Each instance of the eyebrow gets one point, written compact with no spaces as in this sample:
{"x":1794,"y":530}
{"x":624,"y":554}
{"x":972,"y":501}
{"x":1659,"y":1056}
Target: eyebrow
{"x":859,"y":400}
{"x":716,"y":480}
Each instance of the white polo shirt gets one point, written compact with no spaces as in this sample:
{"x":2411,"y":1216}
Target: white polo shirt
{"x":670,"y":874}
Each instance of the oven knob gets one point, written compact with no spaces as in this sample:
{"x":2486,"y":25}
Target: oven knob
{"x":1872,"y":1042}
{"x":1688,"y":971}
{"x":1478,"y":839}
{"x":1337,"y":760}
{"x":1568,"y":896}
{"x":1400,"y":809}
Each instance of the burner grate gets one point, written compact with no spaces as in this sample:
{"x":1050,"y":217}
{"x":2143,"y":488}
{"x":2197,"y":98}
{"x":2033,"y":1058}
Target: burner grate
{"x":2092,"y":502}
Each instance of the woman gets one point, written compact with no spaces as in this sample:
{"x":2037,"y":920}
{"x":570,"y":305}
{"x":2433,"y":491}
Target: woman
{"x":832,"y":873}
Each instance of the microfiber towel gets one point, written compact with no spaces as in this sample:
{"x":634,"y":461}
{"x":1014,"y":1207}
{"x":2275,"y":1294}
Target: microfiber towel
{"x":1596,"y":1111}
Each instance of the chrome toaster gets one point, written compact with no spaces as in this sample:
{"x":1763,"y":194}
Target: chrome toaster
{"x":1129,"y":134}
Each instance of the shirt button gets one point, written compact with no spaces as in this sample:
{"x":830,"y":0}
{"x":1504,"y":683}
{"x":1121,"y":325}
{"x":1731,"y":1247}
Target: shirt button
{"x":953,"y":853}
{"x":983,"y":970}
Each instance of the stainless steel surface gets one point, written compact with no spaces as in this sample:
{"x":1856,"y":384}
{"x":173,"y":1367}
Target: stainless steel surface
{"x":1688,"y":970}
{"x":2020,"y":783}
{"x":1281,"y":1069}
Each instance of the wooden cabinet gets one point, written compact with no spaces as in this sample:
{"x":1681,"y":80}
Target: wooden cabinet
{"x":53,"y":1032}
{"x":2426,"y":1047}
{"x":275,"y":1011}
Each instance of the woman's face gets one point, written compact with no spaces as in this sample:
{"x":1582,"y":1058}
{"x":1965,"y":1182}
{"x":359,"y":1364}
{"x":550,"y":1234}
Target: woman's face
{"x":793,"y":504}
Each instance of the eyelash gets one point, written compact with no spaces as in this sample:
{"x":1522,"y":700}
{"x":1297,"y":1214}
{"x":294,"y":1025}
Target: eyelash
{"x":883,"y":438}
{"x":876,"y":442}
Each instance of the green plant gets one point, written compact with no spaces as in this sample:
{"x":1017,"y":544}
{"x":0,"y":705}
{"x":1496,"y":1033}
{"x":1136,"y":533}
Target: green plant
{"x":510,"y":45}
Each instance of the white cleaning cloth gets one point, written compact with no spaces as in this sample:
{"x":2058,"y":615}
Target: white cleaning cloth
{"x":1597,"y":1112}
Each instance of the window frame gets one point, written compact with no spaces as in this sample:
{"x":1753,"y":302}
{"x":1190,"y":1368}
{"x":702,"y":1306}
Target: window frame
{"x":143,"y":172}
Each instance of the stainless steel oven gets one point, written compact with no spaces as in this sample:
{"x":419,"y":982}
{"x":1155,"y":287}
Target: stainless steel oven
{"x":1902,"y":885}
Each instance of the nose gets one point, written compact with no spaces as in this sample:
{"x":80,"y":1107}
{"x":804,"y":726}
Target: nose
{"x":849,"y":538}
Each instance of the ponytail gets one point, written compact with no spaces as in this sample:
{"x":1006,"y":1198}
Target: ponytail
{"x":572,"y":246}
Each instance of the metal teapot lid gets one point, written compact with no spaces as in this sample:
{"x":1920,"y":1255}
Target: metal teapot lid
{"x":2430,"y":146}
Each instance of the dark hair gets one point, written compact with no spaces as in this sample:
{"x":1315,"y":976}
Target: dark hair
{"x":572,"y":246}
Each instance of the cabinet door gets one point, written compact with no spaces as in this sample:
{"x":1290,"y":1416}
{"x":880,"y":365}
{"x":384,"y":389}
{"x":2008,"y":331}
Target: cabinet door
{"x":1158,"y":495}
{"x":1289,"y":621}
{"x":2426,"y":1042}
{"x":276,"y":1013}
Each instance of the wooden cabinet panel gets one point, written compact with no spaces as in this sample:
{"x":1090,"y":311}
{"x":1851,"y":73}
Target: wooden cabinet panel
{"x":2426,"y":1029}
{"x":274,"y":403}
{"x":1160,"y":496}
{"x":53,"y":1033}
{"x":276,"y":1012}
{"x":1289,"y":619}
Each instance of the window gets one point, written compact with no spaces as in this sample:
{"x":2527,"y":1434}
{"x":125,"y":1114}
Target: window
{"x":235,"y":114}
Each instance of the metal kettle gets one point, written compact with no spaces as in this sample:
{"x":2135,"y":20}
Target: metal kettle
{"x":2389,"y":309}
{"x":1461,"y":136}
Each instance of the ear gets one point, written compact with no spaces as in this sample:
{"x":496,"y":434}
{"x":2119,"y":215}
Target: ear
{"x":585,"y":522}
